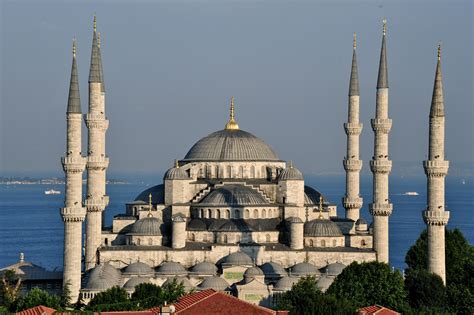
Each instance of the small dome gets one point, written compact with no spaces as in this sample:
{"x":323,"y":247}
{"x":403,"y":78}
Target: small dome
{"x":361,"y":225}
{"x":102,"y":277}
{"x":238,"y":258}
{"x":138,"y":268}
{"x":176,"y":173}
{"x":188,"y":286}
{"x":321,"y":228}
{"x":146,"y":226}
{"x":204,"y":268}
{"x":171,"y":268}
{"x":334,"y":269}
{"x":111,"y":271}
{"x":178,"y":218}
{"x":324,"y":283}
{"x":361,"y":221}
{"x":273,"y":270}
{"x":230,"y":145}
{"x":234,"y":226}
{"x":304,"y":269}
{"x":285,"y":283}
{"x":291,"y":173}
{"x":253,"y":271}
{"x":214,"y":282}
{"x":234,"y":195}
{"x":134,"y":281}
{"x":294,"y":220}
{"x":311,"y":197}
{"x":196,"y":225}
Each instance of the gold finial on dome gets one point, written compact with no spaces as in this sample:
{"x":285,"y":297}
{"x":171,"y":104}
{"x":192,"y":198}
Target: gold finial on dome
{"x":95,"y":23}
{"x":176,"y":164}
{"x":354,"y":42}
{"x":232,"y":124}
{"x":74,"y":47}
{"x":320,"y":207}
{"x":384,"y":26}
{"x":439,"y":50}
{"x":149,"y":205}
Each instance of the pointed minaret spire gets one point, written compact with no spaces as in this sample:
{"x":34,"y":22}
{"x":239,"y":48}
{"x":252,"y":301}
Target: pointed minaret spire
{"x":354,"y":82}
{"x":232,"y":124}
{"x":437,"y":102}
{"x":382,"y":81}
{"x":74,"y":101}
{"x":95,"y":74}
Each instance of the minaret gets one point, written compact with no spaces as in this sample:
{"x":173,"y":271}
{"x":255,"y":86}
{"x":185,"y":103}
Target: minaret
{"x":436,"y":168}
{"x":73,"y":213}
{"x":97,"y":161}
{"x":352,"y":164}
{"x":380,"y":165}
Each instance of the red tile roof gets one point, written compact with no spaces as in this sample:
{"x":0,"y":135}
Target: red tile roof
{"x":376,"y":309}
{"x":211,"y":302}
{"x":37,"y":310}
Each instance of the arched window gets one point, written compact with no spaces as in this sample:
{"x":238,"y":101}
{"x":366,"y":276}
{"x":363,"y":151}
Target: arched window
{"x":255,"y":214}
{"x":247,"y":214}
{"x":218,"y":214}
{"x":209,"y":213}
{"x":138,"y":241}
{"x":204,"y":238}
{"x":334,"y":243}
{"x":311,"y":243}
{"x":241,"y":171}
{"x":237,"y":213}
{"x":227,"y":214}
{"x":106,"y":242}
{"x":202,"y":213}
{"x":193,"y":237}
{"x":216,"y":174}
{"x":229,"y":171}
{"x":264,"y":171}
{"x":150,"y":241}
{"x":323,"y":243}
{"x":362,"y":243}
{"x":237,"y":239}
{"x":252,"y":171}
{"x":264,"y":214}
{"x":267,"y":238}
{"x":224,"y":239}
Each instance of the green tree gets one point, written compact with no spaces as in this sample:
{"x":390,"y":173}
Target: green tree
{"x":173,"y":290}
{"x":371,"y":283}
{"x":10,"y":289}
{"x":305,"y":298}
{"x":65,"y":299}
{"x":149,"y":295}
{"x":37,"y":297}
{"x":459,"y":268}
{"x":113,"y":295}
{"x":426,"y":291}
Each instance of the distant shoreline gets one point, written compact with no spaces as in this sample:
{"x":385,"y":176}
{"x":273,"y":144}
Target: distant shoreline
{"x":48,"y":181}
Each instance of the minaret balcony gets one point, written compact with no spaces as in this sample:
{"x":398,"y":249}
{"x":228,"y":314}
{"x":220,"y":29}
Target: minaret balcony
{"x":96,"y":121}
{"x":73,"y":164}
{"x":435,"y":168}
{"x":381,"y":125}
{"x":352,"y":165}
{"x":96,"y":204}
{"x":73,"y":214}
{"x":381,"y":166}
{"x":352,"y":202}
{"x":380,"y":209}
{"x":353,"y":128}
{"x":436,"y":217}
{"x":97,"y":162}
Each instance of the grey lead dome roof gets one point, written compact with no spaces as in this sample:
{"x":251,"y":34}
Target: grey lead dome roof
{"x":138,"y":268}
{"x":214,"y":282}
{"x":304,"y":269}
{"x":204,"y":268}
{"x":291,"y":173}
{"x":230,"y":145}
{"x":321,"y":228}
{"x":238,"y":258}
{"x":234,"y":195}
{"x":285,"y":283}
{"x":146,"y":226}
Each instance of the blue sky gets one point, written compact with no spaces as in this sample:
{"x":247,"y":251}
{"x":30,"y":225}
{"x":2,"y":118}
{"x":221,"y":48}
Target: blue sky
{"x":170,"y":68}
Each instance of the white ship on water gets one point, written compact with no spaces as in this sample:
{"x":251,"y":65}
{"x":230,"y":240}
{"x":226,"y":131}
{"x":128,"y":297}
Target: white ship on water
{"x":52,"y":192}
{"x":411,"y":193}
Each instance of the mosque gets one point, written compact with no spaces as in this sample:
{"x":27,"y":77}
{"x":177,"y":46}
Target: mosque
{"x":230,"y":215}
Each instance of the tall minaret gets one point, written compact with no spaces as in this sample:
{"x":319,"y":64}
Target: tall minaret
{"x":436,"y":168}
{"x":73,"y":213}
{"x":381,"y":208}
{"x":97,"y":161}
{"x":352,"y":164}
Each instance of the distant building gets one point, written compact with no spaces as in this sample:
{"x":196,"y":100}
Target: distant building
{"x":376,"y":310}
{"x":34,"y":276}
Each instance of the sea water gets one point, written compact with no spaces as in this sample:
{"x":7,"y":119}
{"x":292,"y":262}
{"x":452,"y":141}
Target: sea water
{"x":30,"y":221}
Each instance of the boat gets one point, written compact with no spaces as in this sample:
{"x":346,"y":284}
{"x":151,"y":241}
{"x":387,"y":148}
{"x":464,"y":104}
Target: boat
{"x":52,"y":192}
{"x":411,"y":193}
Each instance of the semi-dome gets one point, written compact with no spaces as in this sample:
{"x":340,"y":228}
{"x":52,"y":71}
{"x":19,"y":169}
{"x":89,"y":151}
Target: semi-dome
{"x":102,"y":277}
{"x":334,"y":269}
{"x":134,"y":281}
{"x":204,"y":268}
{"x":176,"y":173}
{"x":253,"y":271}
{"x":138,"y":268}
{"x":285,"y":283}
{"x":294,"y":220}
{"x":304,"y":269}
{"x":214,"y":282}
{"x":291,"y":173}
{"x":230,"y":145}
{"x":273,"y":270}
{"x":234,"y":195}
{"x":238,"y":258}
{"x":324,"y":283}
{"x":196,"y":225}
{"x":171,"y":268}
{"x":146,"y":226}
{"x":157,"y":195}
{"x":321,"y":228}
{"x":188,"y":286}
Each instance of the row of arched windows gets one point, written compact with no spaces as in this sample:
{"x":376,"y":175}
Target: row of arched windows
{"x":322,"y":243}
{"x":236,"y":213}
{"x":231,"y":171}
{"x":224,"y":238}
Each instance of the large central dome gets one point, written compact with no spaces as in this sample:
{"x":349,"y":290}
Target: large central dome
{"x":231,"y":145}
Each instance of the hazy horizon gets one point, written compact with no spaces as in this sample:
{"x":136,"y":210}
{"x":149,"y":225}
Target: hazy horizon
{"x":170,"y":69}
